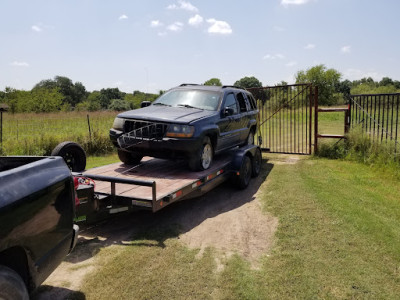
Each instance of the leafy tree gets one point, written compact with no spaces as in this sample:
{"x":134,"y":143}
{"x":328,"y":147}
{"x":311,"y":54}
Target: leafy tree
{"x":213,"y":81}
{"x":72,"y":93}
{"x":45,"y":100}
{"x":94,"y":101}
{"x":248,"y":82}
{"x":252,"y":82}
{"x":344,"y":87}
{"x":109,"y":94}
{"x":119,"y":105}
{"x":325,"y":79}
{"x":386,"y":81}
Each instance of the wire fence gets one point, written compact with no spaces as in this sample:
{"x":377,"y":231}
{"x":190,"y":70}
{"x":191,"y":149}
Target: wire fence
{"x":377,"y":115}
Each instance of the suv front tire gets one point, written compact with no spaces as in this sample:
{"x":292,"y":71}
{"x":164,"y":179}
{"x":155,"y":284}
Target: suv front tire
{"x":204,"y":156}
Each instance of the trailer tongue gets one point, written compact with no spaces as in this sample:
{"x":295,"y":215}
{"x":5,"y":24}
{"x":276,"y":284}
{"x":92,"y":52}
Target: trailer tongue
{"x":156,"y":183}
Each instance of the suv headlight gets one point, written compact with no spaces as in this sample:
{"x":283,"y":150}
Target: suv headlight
{"x":180,"y":131}
{"x":119,"y":123}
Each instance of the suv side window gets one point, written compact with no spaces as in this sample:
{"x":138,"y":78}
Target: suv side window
{"x":242,"y":102}
{"x":230,"y":102}
{"x":252,"y":101}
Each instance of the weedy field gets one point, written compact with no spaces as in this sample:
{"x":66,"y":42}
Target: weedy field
{"x":38,"y":134}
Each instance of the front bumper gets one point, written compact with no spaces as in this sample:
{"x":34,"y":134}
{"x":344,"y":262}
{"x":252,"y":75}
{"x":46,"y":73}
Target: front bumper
{"x":164,"y":148}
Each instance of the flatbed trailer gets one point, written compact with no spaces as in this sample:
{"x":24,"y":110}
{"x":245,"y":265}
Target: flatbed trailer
{"x":157,"y":183}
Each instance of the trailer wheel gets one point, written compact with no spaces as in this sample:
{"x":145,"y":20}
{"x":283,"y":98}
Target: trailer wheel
{"x":256,"y":163}
{"x":129,"y":158}
{"x":11,"y":285}
{"x":203,"y":157}
{"x":73,"y":155}
{"x":245,"y":173}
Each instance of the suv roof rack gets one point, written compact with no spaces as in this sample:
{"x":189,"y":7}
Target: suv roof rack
{"x":186,"y":84}
{"x":232,"y":86}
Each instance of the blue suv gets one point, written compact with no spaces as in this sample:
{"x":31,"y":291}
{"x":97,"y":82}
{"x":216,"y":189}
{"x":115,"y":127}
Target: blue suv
{"x":194,"y":122}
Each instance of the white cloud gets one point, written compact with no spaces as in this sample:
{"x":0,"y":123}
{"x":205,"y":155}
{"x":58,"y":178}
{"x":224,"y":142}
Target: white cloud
{"x":293,"y":2}
{"x":177,"y":26}
{"x":291,"y":64}
{"x":272,"y":57}
{"x":156,"y":23}
{"x":219,"y":27}
{"x":123,"y":17}
{"x":183,"y":5}
{"x":345,"y":49}
{"x":36,"y":28}
{"x":309,"y":46}
{"x":19,"y":64}
{"x":196,"y":20}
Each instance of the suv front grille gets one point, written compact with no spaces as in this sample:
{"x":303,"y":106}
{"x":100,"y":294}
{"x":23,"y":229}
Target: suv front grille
{"x":136,"y":132}
{"x":147,"y":130}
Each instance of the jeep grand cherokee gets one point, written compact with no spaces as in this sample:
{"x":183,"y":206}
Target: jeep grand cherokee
{"x":194,"y":122}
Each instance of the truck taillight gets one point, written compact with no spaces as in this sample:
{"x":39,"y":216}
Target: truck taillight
{"x":76,"y":185}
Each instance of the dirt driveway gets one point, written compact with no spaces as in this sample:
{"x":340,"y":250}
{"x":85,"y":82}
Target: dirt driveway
{"x":229,"y":220}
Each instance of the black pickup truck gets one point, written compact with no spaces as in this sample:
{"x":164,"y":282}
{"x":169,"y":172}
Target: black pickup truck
{"x":37,"y":207}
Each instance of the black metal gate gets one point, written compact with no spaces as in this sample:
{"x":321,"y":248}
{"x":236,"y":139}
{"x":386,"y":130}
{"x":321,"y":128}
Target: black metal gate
{"x":285,"y":118}
{"x":378,"y":116}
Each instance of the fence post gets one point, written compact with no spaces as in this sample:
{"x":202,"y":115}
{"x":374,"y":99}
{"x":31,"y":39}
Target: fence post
{"x":90,"y":131}
{"x":347,"y":115}
{"x":316,"y":120}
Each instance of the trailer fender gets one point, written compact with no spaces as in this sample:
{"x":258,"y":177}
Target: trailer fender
{"x":249,"y":150}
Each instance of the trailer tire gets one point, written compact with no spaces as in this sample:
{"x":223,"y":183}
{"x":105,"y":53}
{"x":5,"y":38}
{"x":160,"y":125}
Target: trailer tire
{"x":73,"y":155}
{"x":203,"y":157}
{"x":256,"y":163}
{"x":11,"y":285}
{"x":129,"y":158}
{"x":245,"y":173}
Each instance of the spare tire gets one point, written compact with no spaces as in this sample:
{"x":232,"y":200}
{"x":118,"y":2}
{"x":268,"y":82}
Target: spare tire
{"x":73,"y":155}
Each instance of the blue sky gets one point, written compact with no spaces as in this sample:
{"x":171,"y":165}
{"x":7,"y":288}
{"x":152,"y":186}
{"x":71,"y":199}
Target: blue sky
{"x":155,"y":45}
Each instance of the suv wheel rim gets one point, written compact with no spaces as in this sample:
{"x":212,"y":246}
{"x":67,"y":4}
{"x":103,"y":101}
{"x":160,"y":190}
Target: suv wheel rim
{"x":206,"y":156}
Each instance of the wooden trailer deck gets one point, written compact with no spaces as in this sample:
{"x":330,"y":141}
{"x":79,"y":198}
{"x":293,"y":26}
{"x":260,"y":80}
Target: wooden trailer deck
{"x":168,"y":175}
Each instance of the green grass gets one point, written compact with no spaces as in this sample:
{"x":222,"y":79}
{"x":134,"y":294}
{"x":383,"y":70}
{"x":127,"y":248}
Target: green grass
{"x":338,"y":238}
{"x":97,"y":161}
{"x":38,"y":134}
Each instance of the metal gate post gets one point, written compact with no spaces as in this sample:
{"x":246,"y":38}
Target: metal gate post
{"x":316,"y":120}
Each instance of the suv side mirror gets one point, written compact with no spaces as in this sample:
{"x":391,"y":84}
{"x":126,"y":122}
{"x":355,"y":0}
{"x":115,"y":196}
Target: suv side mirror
{"x":228,"y":111}
{"x":145,"y":104}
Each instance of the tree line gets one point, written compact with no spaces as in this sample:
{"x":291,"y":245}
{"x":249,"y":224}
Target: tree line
{"x":62,"y":94}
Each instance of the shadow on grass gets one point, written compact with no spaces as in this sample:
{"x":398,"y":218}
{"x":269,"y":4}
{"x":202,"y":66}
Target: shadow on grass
{"x":144,"y":228}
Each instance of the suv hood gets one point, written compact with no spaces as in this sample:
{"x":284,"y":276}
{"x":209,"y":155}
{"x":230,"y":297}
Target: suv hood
{"x":168,"y":114}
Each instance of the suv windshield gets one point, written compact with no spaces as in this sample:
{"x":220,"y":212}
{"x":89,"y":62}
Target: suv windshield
{"x":190,"y":98}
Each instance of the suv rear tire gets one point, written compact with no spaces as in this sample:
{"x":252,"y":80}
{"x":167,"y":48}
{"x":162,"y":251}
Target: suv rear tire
{"x":204,"y":156}
{"x":129,"y":158}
